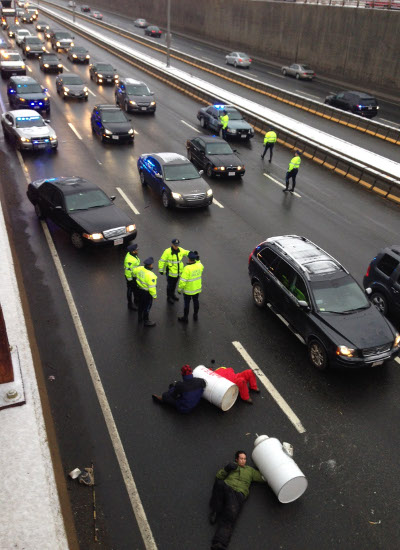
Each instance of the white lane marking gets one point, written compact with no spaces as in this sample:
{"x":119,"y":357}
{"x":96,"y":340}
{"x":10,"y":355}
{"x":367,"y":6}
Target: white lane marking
{"x":279,"y":400}
{"x":217,"y":203}
{"x":190,"y":126}
{"x":305,"y":93}
{"x":206,"y":58}
{"x":391,"y":122}
{"x":128,"y":201}
{"x":66,"y":69}
{"x":130,"y":484}
{"x":135,"y":132}
{"x":280,"y":184}
{"x":90,"y":92}
{"x":276,"y":74}
{"x":397,"y":359}
{"x":3,"y":107}
{"x":29,"y":69}
{"x":74,"y":130}
{"x":197,"y":48}
{"x":24,"y":168}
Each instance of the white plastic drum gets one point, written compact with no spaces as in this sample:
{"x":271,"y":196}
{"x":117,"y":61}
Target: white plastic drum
{"x":280,"y":470}
{"x":219,"y":391}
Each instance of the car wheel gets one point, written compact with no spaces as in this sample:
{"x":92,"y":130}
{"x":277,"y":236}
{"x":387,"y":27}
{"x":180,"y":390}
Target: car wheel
{"x":259,"y":295}
{"x":226,"y":62}
{"x":86,"y":98}
{"x":3,"y":76}
{"x":297,"y":76}
{"x":38,"y":212}
{"x":203,"y":122}
{"x":64,"y":97}
{"x":284,"y":72}
{"x":209,"y":171}
{"x":142,"y":178}
{"x":165,"y":199}
{"x":380,"y":301}
{"x":126,"y":106}
{"x":77,"y":240}
{"x":235,"y":64}
{"x":317,"y":355}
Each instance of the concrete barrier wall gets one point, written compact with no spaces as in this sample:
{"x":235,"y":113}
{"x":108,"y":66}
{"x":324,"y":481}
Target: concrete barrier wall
{"x":359,"y":46}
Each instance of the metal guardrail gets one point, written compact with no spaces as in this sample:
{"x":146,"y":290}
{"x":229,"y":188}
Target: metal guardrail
{"x":350,"y":168}
{"x":367,"y":126}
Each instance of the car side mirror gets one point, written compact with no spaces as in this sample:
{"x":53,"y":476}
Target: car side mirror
{"x":158,"y":175}
{"x":47,"y":121}
{"x":58,"y":207}
{"x":303,"y":304}
{"x":201,"y":172}
{"x":368,"y":291}
{"x":9,"y":122}
{"x":151,"y":93}
{"x":112,"y":198}
{"x":234,"y":150}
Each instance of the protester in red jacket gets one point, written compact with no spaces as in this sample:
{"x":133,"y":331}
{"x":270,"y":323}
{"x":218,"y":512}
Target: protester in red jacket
{"x":242,"y":380}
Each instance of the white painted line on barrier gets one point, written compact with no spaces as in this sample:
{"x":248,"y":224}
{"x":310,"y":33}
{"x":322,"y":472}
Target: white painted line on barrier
{"x":128,"y":201}
{"x":217,"y":203}
{"x":207,"y":58}
{"x":119,"y":450}
{"x":90,"y":92}
{"x":309,"y":95}
{"x":397,"y":359}
{"x":389,"y":121}
{"x":190,"y":126}
{"x":24,"y":168}
{"x":279,"y":400}
{"x":66,"y":69}
{"x":74,"y":130}
{"x":280,"y":184}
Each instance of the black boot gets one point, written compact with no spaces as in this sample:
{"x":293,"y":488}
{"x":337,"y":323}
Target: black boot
{"x":149,"y":323}
{"x":183,"y":319}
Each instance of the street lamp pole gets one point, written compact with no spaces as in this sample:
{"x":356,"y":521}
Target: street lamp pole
{"x":168,"y":33}
{"x":73,"y":11}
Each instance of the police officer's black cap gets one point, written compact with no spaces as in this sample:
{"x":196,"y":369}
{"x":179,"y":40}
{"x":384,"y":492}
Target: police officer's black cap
{"x":149,"y":261}
{"x":175,"y":241}
{"x":192,"y":255}
{"x":132,"y":247}
{"x":297,"y":152}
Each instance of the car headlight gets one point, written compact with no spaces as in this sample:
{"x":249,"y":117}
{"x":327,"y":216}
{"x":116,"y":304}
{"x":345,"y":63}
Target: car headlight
{"x":345,"y":351}
{"x":27,"y":48}
{"x":71,"y":45}
{"x":396,"y":342}
{"x":66,"y":89}
{"x":85,"y":89}
{"x":240,"y":167}
{"x":130,"y":131}
{"x":22,"y":99}
{"x":231,"y":131}
{"x":130,"y":228}
{"x":88,"y":57}
{"x":53,"y":138}
{"x":132,"y":102}
{"x":59,"y":65}
{"x":93,"y":236}
{"x":25,"y":140}
{"x":43,"y":48}
{"x":46,"y":65}
{"x":116,"y":77}
{"x":45,"y":99}
{"x":176,"y":196}
{"x":22,"y":66}
{"x":58,"y":44}
{"x":209,"y":193}
{"x":107,"y":132}
{"x":152,"y":104}
{"x":74,"y":55}
{"x":100,"y":75}
{"x":221,"y":167}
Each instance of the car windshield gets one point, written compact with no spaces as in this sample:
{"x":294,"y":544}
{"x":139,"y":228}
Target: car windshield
{"x":78,"y":50}
{"x":11,"y":57}
{"x":113,"y":116}
{"x":175,"y":172}
{"x":33,"y":88}
{"x":218,"y":149}
{"x":137,"y":90}
{"x":367,"y":101}
{"x":105,"y":67}
{"x":241,"y":54}
{"x":50,"y":58}
{"x":62,"y":34}
{"x":33,"y":40}
{"x":24,"y":33}
{"x":72,"y":79}
{"x":34,"y":122}
{"x":341,"y":295}
{"x":234,"y":115}
{"x":94,"y":198}
{"x":306,"y":67}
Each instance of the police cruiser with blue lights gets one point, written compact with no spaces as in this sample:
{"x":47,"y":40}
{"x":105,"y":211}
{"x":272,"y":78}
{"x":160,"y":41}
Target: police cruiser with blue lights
{"x":28,"y":131}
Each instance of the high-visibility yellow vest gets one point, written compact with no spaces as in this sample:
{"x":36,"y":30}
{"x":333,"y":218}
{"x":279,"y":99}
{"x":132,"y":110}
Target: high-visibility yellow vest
{"x":171,"y":261}
{"x":146,"y":280}
{"x":270,"y":137}
{"x":190,"y":281}
{"x":294,"y":163}
{"x":224,"y":121}
{"x":131,"y":261}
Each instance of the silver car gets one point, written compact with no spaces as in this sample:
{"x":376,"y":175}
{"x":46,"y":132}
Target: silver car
{"x":20,"y":35}
{"x":299,"y":71}
{"x":238,"y":59}
{"x":28,"y":131}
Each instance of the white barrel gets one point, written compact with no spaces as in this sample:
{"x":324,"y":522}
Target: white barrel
{"x":280,"y":470}
{"x":219,"y":391}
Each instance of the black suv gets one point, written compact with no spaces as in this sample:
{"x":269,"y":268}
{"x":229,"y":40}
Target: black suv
{"x":134,"y":96}
{"x":111,"y":124}
{"x":383,"y":278}
{"x":32,"y":46}
{"x":358,"y":103}
{"x":25,"y":93}
{"x":321,"y":304}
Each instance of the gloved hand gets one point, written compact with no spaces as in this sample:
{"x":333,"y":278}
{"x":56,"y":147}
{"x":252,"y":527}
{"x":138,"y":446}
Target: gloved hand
{"x":161,"y":272}
{"x":230,"y":467}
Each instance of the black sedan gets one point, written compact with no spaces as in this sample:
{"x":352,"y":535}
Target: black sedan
{"x":103,"y":73}
{"x":42,"y":26}
{"x":85,"y":8}
{"x":111,"y":124}
{"x":71,"y":86}
{"x":50,"y":63}
{"x":78,"y":54}
{"x":153,"y":31}
{"x":215,"y":156}
{"x":82,"y":209}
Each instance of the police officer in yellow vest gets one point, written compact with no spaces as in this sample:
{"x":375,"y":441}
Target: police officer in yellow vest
{"x":269,"y":142}
{"x":131,"y":261}
{"x":190,"y":285}
{"x":171,"y":264}
{"x":292,"y":172}
{"x":147,"y":286}
{"x":224,"y":121}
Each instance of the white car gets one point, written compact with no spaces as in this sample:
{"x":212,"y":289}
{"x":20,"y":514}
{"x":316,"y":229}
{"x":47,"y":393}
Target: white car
{"x":20,"y":35}
{"x":238,"y":59}
{"x":11,"y":64}
{"x":28,"y":131}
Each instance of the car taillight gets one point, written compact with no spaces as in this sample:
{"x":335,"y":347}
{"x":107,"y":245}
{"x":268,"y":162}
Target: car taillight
{"x":250,"y":60}
{"x":368,"y":270}
{"x":251,"y":255}
{"x":240,"y":60}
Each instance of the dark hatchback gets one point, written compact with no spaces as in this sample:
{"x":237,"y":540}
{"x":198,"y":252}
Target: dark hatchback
{"x":103,"y":73}
{"x":383,"y":278}
{"x":111,"y":124}
{"x":71,"y":86}
{"x":153,"y":31}
{"x":82,"y":209}
{"x":78,"y":54}
{"x":215,"y":156}
{"x":358,"y":103}
{"x":25,"y":93}
{"x":134,"y":96}
{"x":50,"y":63}
{"x":321,"y":303}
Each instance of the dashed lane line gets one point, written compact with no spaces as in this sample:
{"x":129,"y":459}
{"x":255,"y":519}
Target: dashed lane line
{"x":135,"y":132}
{"x":66,"y":69}
{"x":190,"y":126}
{"x":24,"y":167}
{"x":128,"y":201}
{"x":276,"y":74}
{"x":74,"y":130}
{"x":309,"y":95}
{"x":397,"y":359}
{"x":217,"y":203}
{"x":280,"y":184}
{"x":90,"y":92}
{"x":29,"y":69}
{"x":279,"y":400}
{"x":119,"y":450}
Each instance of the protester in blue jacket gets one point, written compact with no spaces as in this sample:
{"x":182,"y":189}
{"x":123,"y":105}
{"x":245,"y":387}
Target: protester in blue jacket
{"x":185,"y":395}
